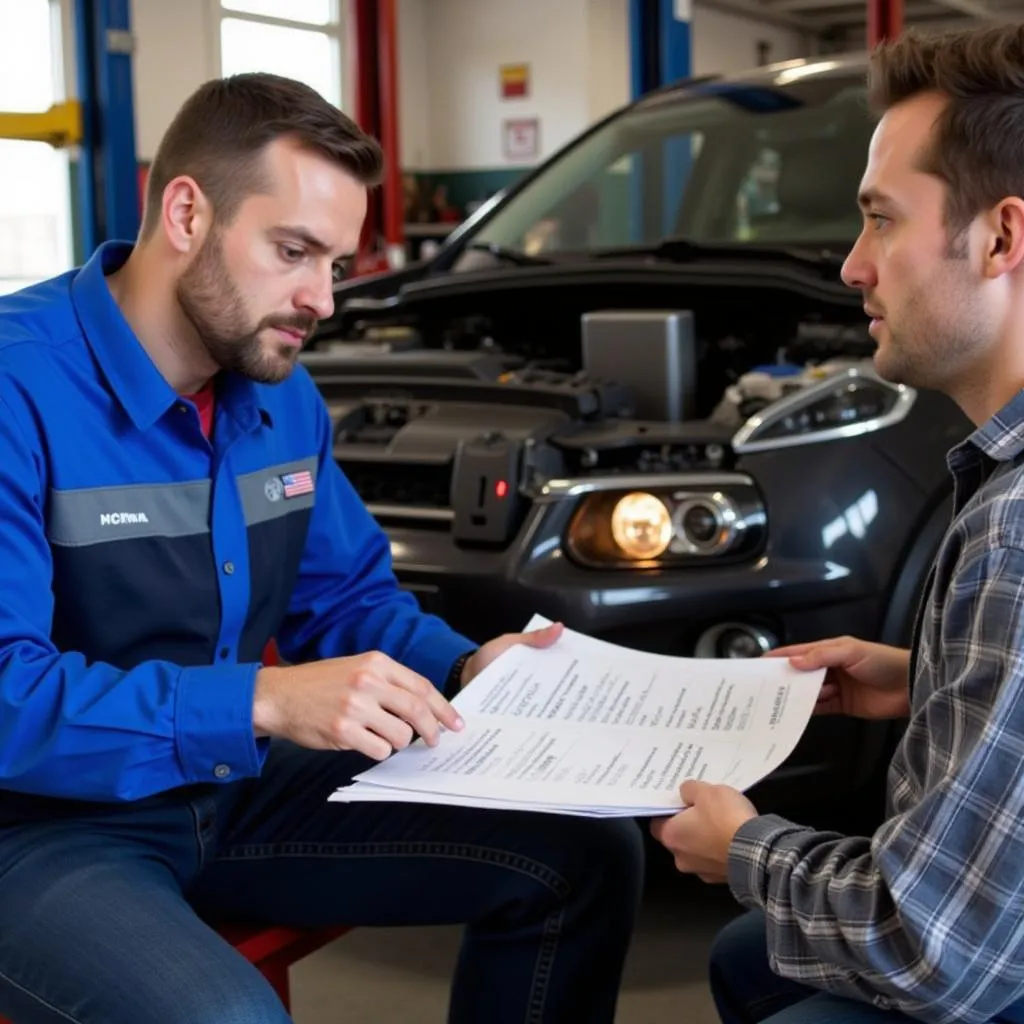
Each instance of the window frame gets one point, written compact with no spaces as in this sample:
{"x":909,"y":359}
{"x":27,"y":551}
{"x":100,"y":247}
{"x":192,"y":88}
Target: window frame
{"x":334,"y":29}
{"x":62,"y":75}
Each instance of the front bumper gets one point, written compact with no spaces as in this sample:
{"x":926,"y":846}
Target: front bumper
{"x":809,"y":581}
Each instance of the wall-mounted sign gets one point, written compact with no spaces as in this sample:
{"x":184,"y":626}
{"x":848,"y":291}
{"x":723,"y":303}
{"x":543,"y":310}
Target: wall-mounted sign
{"x":515,"y":81}
{"x":521,"y":138}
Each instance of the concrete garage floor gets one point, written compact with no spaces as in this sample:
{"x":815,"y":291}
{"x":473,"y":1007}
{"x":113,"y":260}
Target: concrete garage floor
{"x":393,"y":975}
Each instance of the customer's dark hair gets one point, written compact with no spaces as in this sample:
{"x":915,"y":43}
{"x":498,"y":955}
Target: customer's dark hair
{"x":219,"y":134}
{"x":978,"y":142}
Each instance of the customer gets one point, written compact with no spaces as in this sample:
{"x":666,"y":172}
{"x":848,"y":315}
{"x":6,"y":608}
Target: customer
{"x":168,"y":504}
{"x":923,"y":920}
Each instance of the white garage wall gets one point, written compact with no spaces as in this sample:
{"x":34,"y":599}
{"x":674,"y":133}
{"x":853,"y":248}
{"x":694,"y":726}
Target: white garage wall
{"x":414,"y":104}
{"x":724,"y":43}
{"x":578,"y":52}
{"x":175,"y":52}
{"x":449,"y":55}
{"x":607,"y":56}
{"x":468,"y":41}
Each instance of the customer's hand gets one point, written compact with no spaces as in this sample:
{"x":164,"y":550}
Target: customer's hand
{"x":499,"y":645}
{"x":368,"y":703}
{"x":700,"y":835}
{"x":865,"y":680}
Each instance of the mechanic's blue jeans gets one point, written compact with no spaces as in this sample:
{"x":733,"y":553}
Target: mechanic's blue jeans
{"x":746,"y":991}
{"x":98,"y":905}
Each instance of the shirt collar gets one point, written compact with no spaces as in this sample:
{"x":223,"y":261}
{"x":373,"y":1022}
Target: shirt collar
{"x":1002,"y":437}
{"x":134,"y":378}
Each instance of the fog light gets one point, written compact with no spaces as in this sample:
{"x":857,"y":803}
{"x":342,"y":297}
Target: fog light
{"x":641,"y":526}
{"x":738,"y":643}
{"x":734,"y":640}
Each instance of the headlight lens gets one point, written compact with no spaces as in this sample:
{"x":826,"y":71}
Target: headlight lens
{"x":664,"y":526}
{"x":641,"y":526}
{"x":846,"y":405}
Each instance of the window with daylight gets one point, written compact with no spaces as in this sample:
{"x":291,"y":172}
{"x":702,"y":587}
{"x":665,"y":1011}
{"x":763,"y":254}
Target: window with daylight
{"x":297,"y":38}
{"x":35,"y":195}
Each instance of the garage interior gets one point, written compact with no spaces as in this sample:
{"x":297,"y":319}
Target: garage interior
{"x":74,"y":149}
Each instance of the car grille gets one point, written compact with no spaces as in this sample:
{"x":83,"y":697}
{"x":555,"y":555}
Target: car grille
{"x":411,"y":493}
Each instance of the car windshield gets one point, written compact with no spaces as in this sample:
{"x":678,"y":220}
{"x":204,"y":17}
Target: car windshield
{"x":717,"y":163}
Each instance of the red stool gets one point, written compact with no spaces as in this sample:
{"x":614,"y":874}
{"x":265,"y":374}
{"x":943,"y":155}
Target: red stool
{"x":272,"y":950}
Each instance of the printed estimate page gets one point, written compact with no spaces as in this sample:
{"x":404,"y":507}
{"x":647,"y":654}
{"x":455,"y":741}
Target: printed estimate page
{"x":589,"y":727}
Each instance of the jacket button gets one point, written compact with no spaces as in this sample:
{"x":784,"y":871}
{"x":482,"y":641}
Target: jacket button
{"x":222,"y":771}
{"x":229,"y":568}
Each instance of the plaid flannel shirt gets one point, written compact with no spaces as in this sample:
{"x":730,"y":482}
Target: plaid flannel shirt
{"x":927,"y":915}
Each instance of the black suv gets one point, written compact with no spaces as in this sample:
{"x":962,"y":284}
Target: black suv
{"x":633,"y":394}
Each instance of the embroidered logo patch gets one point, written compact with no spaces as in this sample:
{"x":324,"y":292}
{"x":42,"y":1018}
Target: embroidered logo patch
{"x":296,"y":484}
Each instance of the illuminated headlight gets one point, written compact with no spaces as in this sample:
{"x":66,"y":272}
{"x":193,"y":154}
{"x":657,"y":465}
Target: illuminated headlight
{"x":641,"y":526}
{"x":846,"y":405}
{"x":661,"y":527}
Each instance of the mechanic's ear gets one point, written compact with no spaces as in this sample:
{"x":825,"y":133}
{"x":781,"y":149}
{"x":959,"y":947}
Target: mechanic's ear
{"x":1005,"y":244}
{"x":186,"y":214}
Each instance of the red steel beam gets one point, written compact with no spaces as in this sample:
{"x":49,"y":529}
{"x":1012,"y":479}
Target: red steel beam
{"x":885,"y":20}
{"x":362,"y":86}
{"x":387,"y":78}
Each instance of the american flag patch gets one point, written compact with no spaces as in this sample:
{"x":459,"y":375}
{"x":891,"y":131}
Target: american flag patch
{"x":297,"y":483}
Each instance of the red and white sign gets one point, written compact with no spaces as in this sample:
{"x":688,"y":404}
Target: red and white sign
{"x":521,"y":138}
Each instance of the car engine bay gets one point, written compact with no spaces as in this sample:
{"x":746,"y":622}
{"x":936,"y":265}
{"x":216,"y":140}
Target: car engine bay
{"x":454,"y":422}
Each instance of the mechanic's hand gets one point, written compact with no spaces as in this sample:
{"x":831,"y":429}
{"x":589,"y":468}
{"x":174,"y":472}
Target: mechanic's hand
{"x":699,"y":836}
{"x":495,"y":648}
{"x":865,"y":680}
{"x":368,"y":703}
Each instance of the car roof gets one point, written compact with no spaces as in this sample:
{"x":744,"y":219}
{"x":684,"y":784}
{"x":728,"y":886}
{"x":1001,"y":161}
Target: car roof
{"x":839,"y":65}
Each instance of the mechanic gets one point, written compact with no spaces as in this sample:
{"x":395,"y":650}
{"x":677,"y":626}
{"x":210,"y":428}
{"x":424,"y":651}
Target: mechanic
{"x":169,"y":504}
{"x":924,"y":919}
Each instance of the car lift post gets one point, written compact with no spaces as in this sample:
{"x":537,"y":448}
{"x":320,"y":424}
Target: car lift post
{"x":100,"y":122}
{"x":108,"y":162}
{"x":660,"y":53}
{"x":885,"y":20}
{"x":659,"y":43}
{"x":373,"y":82}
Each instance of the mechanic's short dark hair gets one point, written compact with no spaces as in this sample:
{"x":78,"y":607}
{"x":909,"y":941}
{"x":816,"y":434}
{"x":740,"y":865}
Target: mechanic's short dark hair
{"x":219,"y":134}
{"x":978,"y":143}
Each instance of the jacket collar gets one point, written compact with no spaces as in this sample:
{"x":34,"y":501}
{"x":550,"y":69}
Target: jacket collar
{"x":132,"y":375}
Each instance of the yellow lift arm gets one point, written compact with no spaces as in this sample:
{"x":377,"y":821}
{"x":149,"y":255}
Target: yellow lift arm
{"x":60,"y":126}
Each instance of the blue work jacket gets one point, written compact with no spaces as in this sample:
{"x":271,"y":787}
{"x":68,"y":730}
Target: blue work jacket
{"x":143,"y":568}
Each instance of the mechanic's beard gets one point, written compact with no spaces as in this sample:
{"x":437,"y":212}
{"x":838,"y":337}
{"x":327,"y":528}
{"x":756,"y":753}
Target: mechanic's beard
{"x":213,"y":305}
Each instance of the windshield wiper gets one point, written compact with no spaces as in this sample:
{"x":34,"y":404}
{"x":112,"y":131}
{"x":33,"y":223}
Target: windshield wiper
{"x":508,"y":255}
{"x":683,"y":250}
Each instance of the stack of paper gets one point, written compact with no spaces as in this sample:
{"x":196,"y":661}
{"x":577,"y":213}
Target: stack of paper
{"x":589,"y":728}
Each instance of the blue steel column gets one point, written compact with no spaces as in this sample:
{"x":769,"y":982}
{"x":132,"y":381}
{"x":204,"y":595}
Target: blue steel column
{"x":675,"y":66}
{"x":89,"y":223}
{"x":660,"y":53}
{"x":643,"y":70}
{"x":675,"y":39}
{"x":108,"y":170}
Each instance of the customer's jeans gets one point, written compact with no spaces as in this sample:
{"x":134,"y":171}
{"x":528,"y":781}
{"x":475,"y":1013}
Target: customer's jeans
{"x":98,"y":905}
{"x":746,"y":991}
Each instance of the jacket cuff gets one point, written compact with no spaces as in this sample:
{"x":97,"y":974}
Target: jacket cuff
{"x":750,"y":855}
{"x":213,"y":721}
